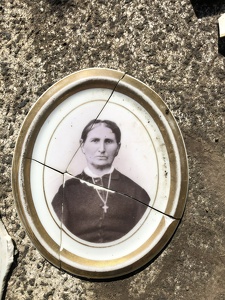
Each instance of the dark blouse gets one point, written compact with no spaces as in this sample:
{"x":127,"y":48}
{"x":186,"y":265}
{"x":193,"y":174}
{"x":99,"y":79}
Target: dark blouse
{"x":82,"y":212}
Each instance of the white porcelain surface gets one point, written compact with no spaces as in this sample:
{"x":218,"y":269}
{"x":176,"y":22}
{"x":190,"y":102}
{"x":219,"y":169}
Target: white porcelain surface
{"x":143,"y":155}
{"x":56,"y":143}
{"x":170,"y":172}
{"x":45,"y":182}
{"x":221,"y":21}
{"x":152,"y":154}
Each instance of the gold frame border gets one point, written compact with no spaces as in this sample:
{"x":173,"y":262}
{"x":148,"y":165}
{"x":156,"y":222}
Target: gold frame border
{"x":101,"y":78}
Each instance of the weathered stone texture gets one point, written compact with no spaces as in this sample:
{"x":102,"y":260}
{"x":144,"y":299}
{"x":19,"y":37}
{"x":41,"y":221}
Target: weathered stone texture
{"x":173,"y":48}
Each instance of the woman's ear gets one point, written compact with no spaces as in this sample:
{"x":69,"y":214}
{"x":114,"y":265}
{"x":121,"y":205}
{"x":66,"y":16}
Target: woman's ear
{"x":82,"y":145}
{"x":118,"y":148}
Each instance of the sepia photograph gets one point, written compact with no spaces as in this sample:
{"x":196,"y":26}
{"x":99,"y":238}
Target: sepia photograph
{"x":100,"y":204}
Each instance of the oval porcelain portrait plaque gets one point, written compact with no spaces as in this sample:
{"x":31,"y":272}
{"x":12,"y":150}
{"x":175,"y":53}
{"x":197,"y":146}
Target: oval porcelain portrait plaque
{"x":100,"y":174}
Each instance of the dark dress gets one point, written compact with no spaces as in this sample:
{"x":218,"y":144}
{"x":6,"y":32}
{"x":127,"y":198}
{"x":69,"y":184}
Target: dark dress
{"x":82,"y":209}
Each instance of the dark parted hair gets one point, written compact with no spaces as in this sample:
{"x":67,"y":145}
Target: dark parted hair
{"x":112,"y":125}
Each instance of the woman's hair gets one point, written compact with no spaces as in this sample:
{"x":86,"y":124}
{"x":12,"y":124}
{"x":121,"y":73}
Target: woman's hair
{"x":93,"y":123}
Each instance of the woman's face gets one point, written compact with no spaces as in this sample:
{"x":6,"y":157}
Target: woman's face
{"x":100,"y":147}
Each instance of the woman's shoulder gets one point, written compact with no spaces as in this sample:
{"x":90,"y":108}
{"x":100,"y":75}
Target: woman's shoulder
{"x":74,"y":180}
{"x":130,"y":187}
{"x":124,"y":178}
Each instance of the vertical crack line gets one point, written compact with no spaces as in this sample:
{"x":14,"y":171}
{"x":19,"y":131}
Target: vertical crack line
{"x":107,"y":101}
{"x":61,"y":223}
{"x":109,"y":97}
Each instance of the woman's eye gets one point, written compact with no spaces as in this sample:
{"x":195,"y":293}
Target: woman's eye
{"x":108,"y":141}
{"x":95,"y":140}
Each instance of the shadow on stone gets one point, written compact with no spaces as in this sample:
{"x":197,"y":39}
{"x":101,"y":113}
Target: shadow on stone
{"x":204,"y":8}
{"x":58,"y":2}
{"x":221,"y":46}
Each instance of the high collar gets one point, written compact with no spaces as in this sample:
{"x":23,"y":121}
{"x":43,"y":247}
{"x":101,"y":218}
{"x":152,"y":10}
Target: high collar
{"x":88,"y":172}
{"x":115,"y":175}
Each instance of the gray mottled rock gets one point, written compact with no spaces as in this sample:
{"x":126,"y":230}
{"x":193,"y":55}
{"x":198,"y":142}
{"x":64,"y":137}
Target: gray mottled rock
{"x":171,"y":45}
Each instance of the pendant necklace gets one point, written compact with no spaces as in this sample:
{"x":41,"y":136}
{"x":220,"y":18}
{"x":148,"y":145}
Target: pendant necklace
{"x":104,"y":201}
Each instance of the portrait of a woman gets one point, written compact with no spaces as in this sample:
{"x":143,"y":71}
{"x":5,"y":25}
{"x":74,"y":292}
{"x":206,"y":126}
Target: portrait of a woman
{"x":100,"y":205}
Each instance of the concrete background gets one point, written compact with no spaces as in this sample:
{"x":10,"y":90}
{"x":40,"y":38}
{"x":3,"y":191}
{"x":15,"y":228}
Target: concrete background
{"x":173,"y":47}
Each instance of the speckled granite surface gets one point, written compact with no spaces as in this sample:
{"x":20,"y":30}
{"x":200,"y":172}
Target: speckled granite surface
{"x":173,"y":47}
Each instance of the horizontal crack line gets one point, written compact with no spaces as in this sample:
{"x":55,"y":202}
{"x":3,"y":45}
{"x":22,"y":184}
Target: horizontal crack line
{"x":95,"y":186}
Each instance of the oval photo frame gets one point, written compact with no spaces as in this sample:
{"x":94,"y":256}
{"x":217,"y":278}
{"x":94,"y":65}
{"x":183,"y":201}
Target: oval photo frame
{"x":117,"y":226}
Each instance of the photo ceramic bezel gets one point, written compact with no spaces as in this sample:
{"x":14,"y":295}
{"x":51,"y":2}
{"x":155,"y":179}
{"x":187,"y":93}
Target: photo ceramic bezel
{"x":30,"y":166}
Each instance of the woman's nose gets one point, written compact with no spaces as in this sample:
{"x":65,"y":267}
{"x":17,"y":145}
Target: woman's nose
{"x":101,"y":147}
